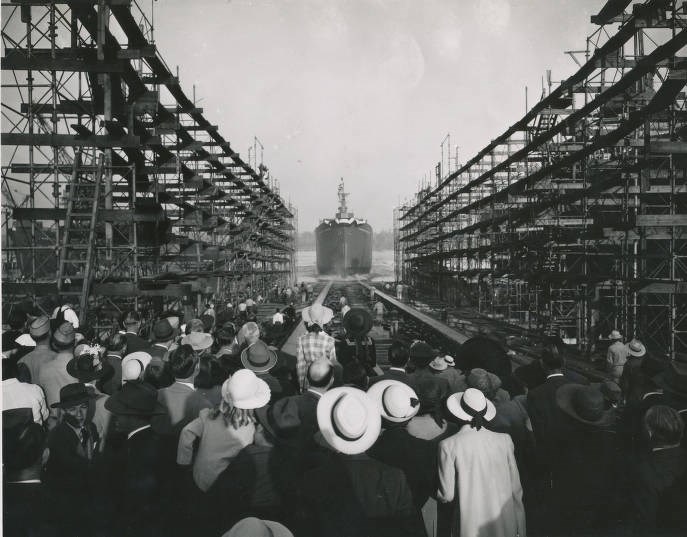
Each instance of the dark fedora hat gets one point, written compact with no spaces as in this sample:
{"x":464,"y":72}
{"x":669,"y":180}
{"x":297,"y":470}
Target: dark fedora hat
{"x":673,"y":379}
{"x":585,"y":404}
{"x":88,"y":367}
{"x":73,"y":394}
{"x":258,"y":357}
{"x":282,"y":419}
{"x":135,"y":399}
{"x":357,"y":322}
{"x":162,"y":330}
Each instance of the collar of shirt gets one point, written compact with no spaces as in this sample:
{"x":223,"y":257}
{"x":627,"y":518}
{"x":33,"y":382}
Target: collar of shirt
{"x":26,"y":481}
{"x":160,"y":345}
{"x":132,"y":433}
{"x":554,"y":375}
{"x":397,"y":369}
{"x":188,"y":384}
{"x":318,"y":394}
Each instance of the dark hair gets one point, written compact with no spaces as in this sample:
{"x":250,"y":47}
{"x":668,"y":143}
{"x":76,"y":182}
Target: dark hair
{"x":130,"y":317}
{"x":664,"y":425}
{"x":16,"y":319}
{"x":9,"y":369}
{"x":183,"y":361}
{"x":551,"y":360}
{"x":158,"y":375}
{"x":398,"y":354}
{"x":208,"y":322}
{"x":354,"y":373}
{"x":87,"y":331}
{"x":116,"y":342}
{"x":313,"y":327}
{"x":210,"y":373}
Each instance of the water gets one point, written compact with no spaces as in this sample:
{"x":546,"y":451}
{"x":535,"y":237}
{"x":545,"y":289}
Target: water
{"x":382,"y":265}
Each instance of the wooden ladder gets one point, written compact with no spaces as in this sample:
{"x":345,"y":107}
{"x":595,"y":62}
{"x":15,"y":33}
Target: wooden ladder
{"x":78,"y":241}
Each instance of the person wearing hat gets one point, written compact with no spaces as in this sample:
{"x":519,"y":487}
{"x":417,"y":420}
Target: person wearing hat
{"x":222,"y":432}
{"x":134,"y":366}
{"x":133,"y":466}
{"x":39,"y":330}
{"x":16,"y":394}
{"x":353,"y":490}
{"x":262,"y":359}
{"x":200,"y":342}
{"x":114,"y":354}
{"x":28,"y":508}
{"x":616,"y":356}
{"x":398,"y":404}
{"x":181,"y":400}
{"x":480,"y":466}
{"x":630,"y":380}
{"x":421,"y":355}
{"x":441,"y":368}
{"x":53,"y":375}
{"x":131,"y":322}
{"x":163,"y":337}
{"x":194,"y":325}
{"x":586,"y":469}
{"x":315,"y":343}
{"x":74,"y":448}
{"x":354,"y":344}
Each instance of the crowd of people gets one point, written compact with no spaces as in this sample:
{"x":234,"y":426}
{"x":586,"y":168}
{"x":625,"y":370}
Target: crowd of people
{"x":205,"y":428}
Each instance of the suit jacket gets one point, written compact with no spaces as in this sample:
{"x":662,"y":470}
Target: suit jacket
{"x":395,"y":374}
{"x":68,"y":469}
{"x":183,"y":406}
{"x":28,"y":510}
{"x":549,"y":423}
{"x":135,"y":343}
{"x":427,"y":383}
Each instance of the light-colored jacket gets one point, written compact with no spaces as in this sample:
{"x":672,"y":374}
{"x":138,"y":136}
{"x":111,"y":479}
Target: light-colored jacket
{"x":479,"y":468}
{"x":616,"y":359}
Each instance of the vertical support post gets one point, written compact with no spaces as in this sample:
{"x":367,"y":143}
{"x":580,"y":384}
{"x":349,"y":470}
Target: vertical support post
{"x":106,"y":82}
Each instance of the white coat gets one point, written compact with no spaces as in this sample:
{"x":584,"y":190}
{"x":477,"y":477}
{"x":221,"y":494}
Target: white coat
{"x":479,"y":468}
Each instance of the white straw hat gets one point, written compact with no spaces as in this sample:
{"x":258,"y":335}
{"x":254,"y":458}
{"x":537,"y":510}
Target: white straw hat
{"x":348,"y":419}
{"x":317,"y":314}
{"x":396,"y":401}
{"x":465,"y":405}
{"x":245,"y":390}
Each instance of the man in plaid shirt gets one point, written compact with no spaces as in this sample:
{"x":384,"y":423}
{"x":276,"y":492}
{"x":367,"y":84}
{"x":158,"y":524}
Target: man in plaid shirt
{"x":314,"y":344}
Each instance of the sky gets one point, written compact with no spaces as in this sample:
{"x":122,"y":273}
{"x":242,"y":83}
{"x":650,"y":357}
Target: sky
{"x":366,"y":90}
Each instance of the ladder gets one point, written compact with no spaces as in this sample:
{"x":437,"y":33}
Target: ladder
{"x":78,"y":241}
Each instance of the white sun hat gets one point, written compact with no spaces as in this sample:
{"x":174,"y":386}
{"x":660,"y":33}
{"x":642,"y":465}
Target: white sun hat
{"x":317,"y":314}
{"x":470,"y":403}
{"x":396,"y":401}
{"x":245,"y":390}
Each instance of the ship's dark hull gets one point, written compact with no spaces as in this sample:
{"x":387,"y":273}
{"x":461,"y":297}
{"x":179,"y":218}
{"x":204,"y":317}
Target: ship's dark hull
{"x":343,"y":248}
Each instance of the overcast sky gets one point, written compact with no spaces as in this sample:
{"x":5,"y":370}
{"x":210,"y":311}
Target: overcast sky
{"x":365,"y":89}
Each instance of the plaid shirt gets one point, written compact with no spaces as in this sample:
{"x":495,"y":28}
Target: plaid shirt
{"x":312,"y":346}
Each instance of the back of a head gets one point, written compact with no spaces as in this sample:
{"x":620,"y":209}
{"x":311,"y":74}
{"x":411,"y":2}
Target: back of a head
{"x":183,"y":361}
{"x":320,"y":373}
{"x":664,"y":425}
{"x":130,"y":318}
{"x":22,"y":447}
{"x":117,"y":343}
{"x":354,"y":373}
{"x":398,"y":354}
{"x":251,"y":331}
{"x":551,"y":361}
{"x":158,"y":375}
{"x":210,"y":373}
{"x":16,"y":319}
{"x":194,"y":325}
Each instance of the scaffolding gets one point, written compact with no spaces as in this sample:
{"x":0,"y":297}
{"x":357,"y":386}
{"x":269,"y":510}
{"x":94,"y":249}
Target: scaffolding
{"x":178,"y":216}
{"x":573,"y":222}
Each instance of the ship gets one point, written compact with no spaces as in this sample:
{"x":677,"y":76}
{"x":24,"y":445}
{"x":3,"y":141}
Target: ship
{"x":344,"y":243}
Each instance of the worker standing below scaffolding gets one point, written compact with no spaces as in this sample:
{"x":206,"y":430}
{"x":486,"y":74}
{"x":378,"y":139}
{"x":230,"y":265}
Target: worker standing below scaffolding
{"x":616,"y":356}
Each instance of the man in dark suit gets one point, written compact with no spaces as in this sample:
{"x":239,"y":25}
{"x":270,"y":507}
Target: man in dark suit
{"x":131,"y":322}
{"x":133,"y":462}
{"x":163,"y":335}
{"x":398,"y":359}
{"x":425,"y":382}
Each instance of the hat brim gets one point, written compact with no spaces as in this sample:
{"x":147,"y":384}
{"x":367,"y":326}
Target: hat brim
{"x":348,"y":320}
{"x":104,"y":371}
{"x":328,"y":315}
{"x":324,"y":420}
{"x":87,"y":397}
{"x":437,"y":367}
{"x":258,"y":400}
{"x":271,"y":362}
{"x":116,"y":406}
{"x":376,"y":392}
{"x":638,"y":353}
{"x":564,"y":396}
{"x":453,"y":406}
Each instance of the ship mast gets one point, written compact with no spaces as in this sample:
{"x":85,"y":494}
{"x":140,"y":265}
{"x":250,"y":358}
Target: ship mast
{"x":343,"y":210}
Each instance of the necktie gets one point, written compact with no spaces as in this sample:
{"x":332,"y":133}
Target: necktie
{"x":84,"y":437}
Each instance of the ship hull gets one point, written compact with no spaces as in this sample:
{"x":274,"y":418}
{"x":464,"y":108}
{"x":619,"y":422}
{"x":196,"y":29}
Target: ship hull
{"x":343,"y":248}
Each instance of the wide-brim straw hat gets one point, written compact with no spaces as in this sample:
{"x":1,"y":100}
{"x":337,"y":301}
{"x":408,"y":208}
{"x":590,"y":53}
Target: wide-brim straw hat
{"x":89,"y":367}
{"x":636,"y":348}
{"x":396,"y":401}
{"x":615,"y":334}
{"x":258,"y":357}
{"x":461,"y":405}
{"x":254,"y":527}
{"x":439,"y":364}
{"x":585,"y":404}
{"x":318,"y":314}
{"x":349,"y":420}
{"x":245,"y":390}
{"x":134,"y":364}
{"x":199,"y":341}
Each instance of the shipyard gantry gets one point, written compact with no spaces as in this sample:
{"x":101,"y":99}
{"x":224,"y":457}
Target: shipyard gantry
{"x":573,"y":221}
{"x":117,"y":191}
